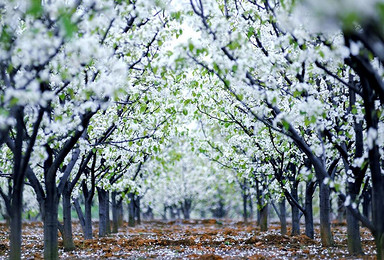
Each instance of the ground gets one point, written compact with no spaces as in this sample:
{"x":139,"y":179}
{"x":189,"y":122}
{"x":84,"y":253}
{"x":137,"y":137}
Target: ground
{"x":193,"y":239}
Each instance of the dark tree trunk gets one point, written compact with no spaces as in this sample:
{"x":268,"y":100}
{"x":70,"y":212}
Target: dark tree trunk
{"x":309,"y":229}
{"x":250,"y":207}
{"x":138,"y":210}
{"x":367,"y":203}
{"x":116,"y":212}
{"x":51,"y":220}
{"x":264,"y":218}
{"x":103,"y":204}
{"x":259,"y":201}
{"x":165,"y":212}
{"x":150,"y":213}
{"x":325,"y":210}
{"x":16,"y":225}
{"x":295,"y":211}
{"x":178,"y":212}
{"x":353,"y":232}
{"x":88,"y":219}
{"x":173,"y":211}
{"x":374,"y":164}
{"x":219,"y":211}
{"x":85,"y":219}
{"x":108,"y":217}
{"x":283,"y":217}
{"x":187,"y":208}
{"x":80,"y":214}
{"x":340,"y":211}
{"x":371,"y":91}
{"x":68,"y":243}
{"x":120,"y":212}
{"x":131,"y":210}
{"x":16,"y":199}
{"x":245,"y":214}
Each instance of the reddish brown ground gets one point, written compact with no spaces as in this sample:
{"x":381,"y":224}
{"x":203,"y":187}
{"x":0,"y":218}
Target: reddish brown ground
{"x":195,"y":239}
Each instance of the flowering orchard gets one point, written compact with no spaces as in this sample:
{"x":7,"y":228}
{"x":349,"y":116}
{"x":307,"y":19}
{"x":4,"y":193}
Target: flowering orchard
{"x":175,"y":107}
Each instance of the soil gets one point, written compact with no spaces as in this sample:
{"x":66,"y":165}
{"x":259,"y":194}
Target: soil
{"x":194,"y":239}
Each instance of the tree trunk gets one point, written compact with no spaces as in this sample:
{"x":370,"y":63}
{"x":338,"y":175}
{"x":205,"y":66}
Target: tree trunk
{"x":138,"y":210}
{"x":258,"y":200}
{"x":108,"y":217}
{"x":245,"y":214}
{"x":187,"y":208}
{"x":172,"y":212}
{"x":103,"y":201}
{"x":353,"y":232}
{"x":250,"y":207}
{"x":51,"y":222}
{"x":131,"y":210}
{"x":16,"y":199}
{"x":264,"y":218}
{"x":16,"y":225}
{"x":80,"y":214}
{"x":325,"y":210}
{"x":309,"y":229}
{"x":165,"y":212}
{"x":68,"y":243}
{"x":367,"y":203}
{"x":341,"y":211}
{"x":88,"y":219}
{"x":370,"y":92}
{"x":283,"y":217}
{"x":120,"y":212}
{"x":295,"y":211}
{"x":115,"y":212}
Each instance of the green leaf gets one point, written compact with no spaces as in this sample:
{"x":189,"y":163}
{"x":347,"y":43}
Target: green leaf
{"x":14,"y":101}
{"x":234,"y":45}
{"x":176,"y":15}
{"x":69,"y":27}
{"x":251,"y":31}
{"x":285,"y":125}
{"x":35,"y":8}
{"x":191,"y":46}
{"x":185,"y":111}
{"x":143,"y":107}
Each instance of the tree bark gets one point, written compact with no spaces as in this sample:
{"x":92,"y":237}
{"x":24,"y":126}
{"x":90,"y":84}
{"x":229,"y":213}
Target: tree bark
{"x":187,"y":208}
{"x":250,"y":204}
{"x":283,"y":217}
{"x":103,"y":221}
{"x":309,"y":229}
{"x":341,"y":211}
{"x":367,"y":203}
{"x":51,"y":221}
{"x":108,"y":217}
{"x":131,"y":210}
{"x":16,"y":225}
{"x":264,"y":218}
{"x":138,"y":210}
{"x":353,"y":233}
{"x":116,"y":212}
{"x":88,"y":219}
{"x":80,"y":214}
{"x":295,"y":211}
{"x":68,"y":243}
{"x":325,"y":210}
{"x":245,"y":213}
{"x":18,"y":173}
